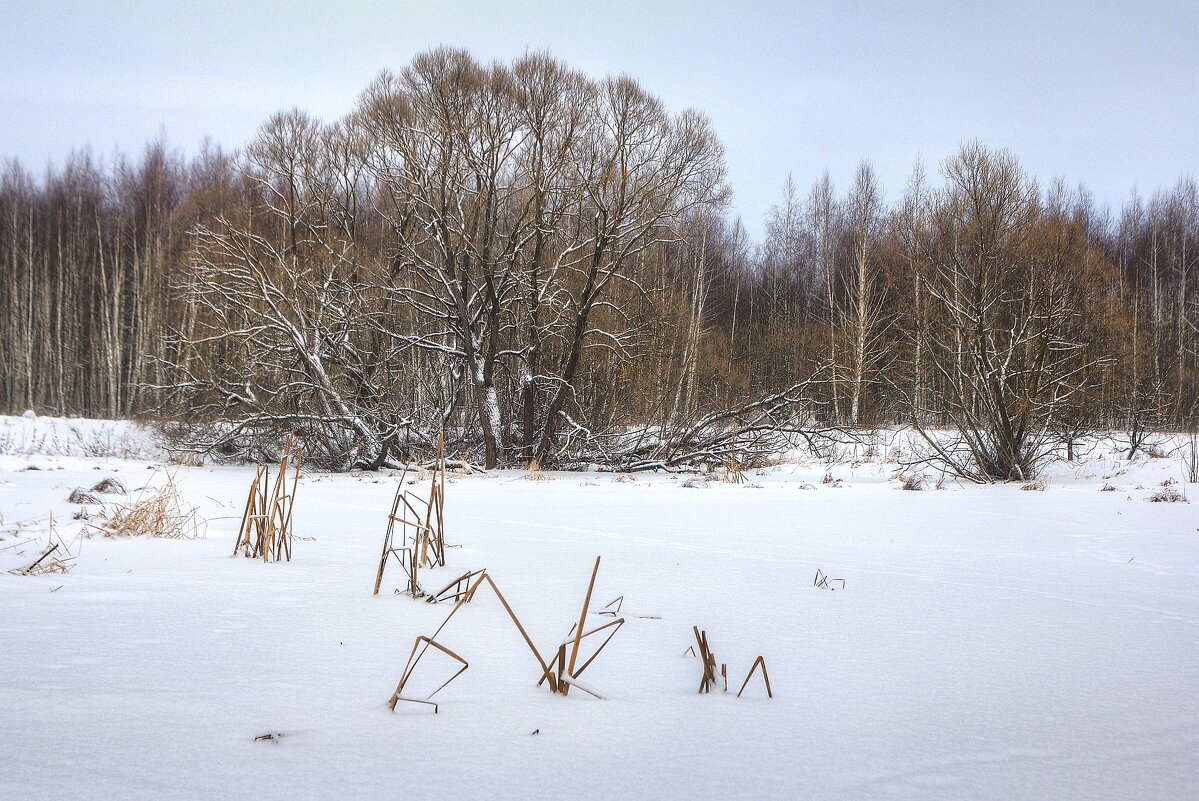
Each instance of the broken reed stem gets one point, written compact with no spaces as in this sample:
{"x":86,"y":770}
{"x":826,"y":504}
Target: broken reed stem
{"x":574,"y":649}
{"x":560,"y":671}
{"x":765,"y":677}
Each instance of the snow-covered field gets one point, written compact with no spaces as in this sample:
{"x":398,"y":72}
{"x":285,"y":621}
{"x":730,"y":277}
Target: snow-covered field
{"x":72,"y":436}
{"x":989,"y":643}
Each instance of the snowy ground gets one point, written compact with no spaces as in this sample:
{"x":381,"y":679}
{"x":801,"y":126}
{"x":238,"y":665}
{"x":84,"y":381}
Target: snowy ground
{"x":989,"y":644}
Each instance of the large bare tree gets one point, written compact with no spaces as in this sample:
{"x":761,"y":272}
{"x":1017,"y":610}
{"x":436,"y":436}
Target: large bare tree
{"x":1011,"y":295}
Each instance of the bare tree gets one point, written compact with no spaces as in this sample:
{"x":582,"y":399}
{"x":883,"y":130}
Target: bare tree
{"x":824,"y":213}
{"x":280,"y":317}
{"x":1009,"y":292}
{"x":446,"y":132}
{"x":865,"y":312}
{"x":642,"y":171}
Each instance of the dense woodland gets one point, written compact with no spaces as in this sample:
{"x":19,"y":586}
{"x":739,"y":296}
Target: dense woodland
{"x":542,"y":265}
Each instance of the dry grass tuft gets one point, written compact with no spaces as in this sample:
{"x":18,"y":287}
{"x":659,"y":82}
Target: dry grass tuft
{"x":82,"y":496}
{"x":110,"y":486}
{"x":1037,"y":485}
{"x":828,"y":480}
{"x":1168,"y":495}
{"x":159,"y":512}
{"x":186,"y":459}
{"x":534,"y":472}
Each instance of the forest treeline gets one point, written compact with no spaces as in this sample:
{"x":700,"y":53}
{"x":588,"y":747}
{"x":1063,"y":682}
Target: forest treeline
{"x":542,"y":265}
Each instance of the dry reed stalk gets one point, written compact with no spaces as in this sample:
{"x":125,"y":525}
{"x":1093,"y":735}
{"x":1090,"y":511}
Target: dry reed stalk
{"x":765,"y":677}
{"x":421,"y":540}
{"x":534,"y":472}
{"x":56,"y":557}
{"x":732,"y":465}
{"x":266,"y":524}
{"x":822,"y":581}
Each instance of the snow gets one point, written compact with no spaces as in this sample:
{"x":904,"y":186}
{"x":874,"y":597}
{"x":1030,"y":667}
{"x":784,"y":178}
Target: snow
{"x":30,"y":434}
{"x":989,"y":643}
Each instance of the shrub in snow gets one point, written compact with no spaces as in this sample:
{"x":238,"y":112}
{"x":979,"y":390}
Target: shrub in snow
{"x":1035,"y":486}
{"x":913,"y":483}
{"x":1107,"y":488}
{"x":1168,"y":495}
{"x":695,"y":483}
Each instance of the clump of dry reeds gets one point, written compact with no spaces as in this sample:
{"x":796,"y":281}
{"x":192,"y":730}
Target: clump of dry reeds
{"x":534,"y":472}
{"x":159,"y":512}
{"x":732,"y":465}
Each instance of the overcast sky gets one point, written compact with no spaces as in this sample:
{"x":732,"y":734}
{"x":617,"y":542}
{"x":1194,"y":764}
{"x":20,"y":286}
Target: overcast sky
{"x":1106,"y":93}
